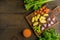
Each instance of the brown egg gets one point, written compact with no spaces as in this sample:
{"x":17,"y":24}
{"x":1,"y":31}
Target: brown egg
{"x":27,"y":33}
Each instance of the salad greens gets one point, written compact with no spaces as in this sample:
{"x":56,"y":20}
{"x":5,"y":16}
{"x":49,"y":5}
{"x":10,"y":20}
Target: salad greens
{"x":49,"y":35}
{"x":35,"y":4}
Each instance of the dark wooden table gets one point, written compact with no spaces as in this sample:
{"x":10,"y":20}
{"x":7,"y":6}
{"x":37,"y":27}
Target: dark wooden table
{"x":12,"y":20}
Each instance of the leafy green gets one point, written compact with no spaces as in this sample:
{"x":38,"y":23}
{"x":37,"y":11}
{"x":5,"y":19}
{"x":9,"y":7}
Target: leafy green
{"x":35,"y":4}
{"x":49,"y":35}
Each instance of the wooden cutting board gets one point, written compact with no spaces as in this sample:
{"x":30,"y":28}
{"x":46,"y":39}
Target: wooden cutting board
{"x":52,"y":13}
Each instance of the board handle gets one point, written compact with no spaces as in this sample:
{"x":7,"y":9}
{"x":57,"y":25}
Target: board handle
{"x":55,"y":11}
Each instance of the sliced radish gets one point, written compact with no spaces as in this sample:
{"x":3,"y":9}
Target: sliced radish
{"x":49,"y":19}
{"x":49,"y":25}
{"x":53,"y":19}
{"x":52,"y":22}
{"x":45,"y":25}
{"x":42,"y":28}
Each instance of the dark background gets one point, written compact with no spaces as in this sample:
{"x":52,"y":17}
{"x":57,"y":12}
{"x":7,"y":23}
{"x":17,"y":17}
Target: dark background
{"x":12,"y":20}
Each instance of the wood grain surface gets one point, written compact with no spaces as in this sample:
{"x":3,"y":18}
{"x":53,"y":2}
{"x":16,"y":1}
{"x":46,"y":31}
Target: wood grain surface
{"x":12,"y":20}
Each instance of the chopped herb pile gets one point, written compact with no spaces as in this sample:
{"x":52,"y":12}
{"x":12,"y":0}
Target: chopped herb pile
{"x":49,"y":35}
{"x":35,"y":4}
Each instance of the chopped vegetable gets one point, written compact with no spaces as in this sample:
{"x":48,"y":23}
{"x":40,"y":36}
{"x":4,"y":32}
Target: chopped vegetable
{"x":42,"y":19}
{"x":35,"y":4}
{"x":35,"y":13}
{"x":35,"y":23}
{"x":42,"y":28}
{"x":37,"y":17}
{"x":45,"y":25}
{"x":49,"y":19}
{"x":44,"y":7}
{"x":51,"y":22}
{"x":46,"y":10}
{"x":54,"y":19}
{"x":37,"y":29}
{"x":33,"y":19}
{"x":45,"y":15}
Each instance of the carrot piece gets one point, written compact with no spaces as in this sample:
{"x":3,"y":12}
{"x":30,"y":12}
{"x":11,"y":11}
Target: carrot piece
{"x":42,"y":13}
{"x":43,"y":7}
{"x":46,"y":10}
{"x":35,"y":13}
{"x":27,"y":33}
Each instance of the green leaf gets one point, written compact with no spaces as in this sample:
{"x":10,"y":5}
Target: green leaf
{"x":49,"y":35}
{"x":35,"y":4}
{"x":28,"y":6}
{"x":35,"y":7}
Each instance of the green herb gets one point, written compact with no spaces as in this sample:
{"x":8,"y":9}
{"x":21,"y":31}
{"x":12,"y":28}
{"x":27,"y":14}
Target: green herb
{"x":49,"y":35}
{"x":35,"y":4}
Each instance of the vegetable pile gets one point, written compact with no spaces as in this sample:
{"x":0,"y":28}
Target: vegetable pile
{"x":49,"y":35}
{"x":35,"y":4}
{"x":42,"y":20}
